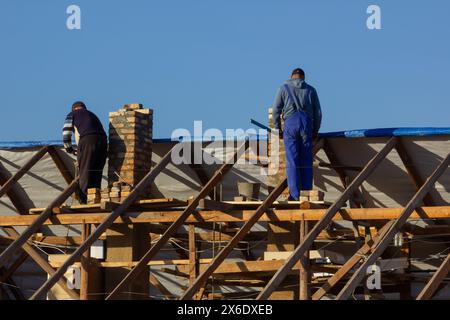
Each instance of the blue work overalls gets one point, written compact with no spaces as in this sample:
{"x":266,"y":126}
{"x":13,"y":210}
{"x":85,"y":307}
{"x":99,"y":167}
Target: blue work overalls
{"x":297,"y":135}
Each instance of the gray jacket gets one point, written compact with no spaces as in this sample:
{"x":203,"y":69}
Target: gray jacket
{"x":309,"y":103}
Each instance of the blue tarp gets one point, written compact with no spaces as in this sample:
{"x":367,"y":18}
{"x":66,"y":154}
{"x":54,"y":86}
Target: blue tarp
{"x":383,"y":132}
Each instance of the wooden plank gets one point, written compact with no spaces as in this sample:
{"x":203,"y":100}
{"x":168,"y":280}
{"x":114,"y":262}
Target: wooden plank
{"x":107,"y":206}
{"x":63,"y":169}
{"x":224,"y":169}
{"x":200,"y":281}
{"x":37,"y":224}
{"x":15,"y":197}
{"x":393,"y":230}
{"x":105,"y":224}
{"x":326,"y":219}
{"x":201,"y":217}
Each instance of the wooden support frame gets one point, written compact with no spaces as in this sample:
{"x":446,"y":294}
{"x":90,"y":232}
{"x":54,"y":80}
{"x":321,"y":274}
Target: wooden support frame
{"x":412,"y":204}
{"x":200,"y":281}
{"x":223,"y":254}
{"x":224,"y":169}
{"x":108,"y":221}
{"x":333,"y":280}
{"x":28,"y":249}
{"x":326,"y":219}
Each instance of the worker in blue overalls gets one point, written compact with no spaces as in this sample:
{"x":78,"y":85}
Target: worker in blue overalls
{"x":299,"y":105}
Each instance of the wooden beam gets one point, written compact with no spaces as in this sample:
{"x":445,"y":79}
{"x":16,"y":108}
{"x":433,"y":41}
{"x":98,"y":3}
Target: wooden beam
{"x":192,"y":254}
{"x":393,"y":230}
{"x":200,"y":281}
{"x":326,"y":219}
{"x":85,"y":264}
{"x":305,"y":268}
{"x":15,"y":197}
{"x":201,"y":217}
{"x":63,"y":169}
{"x":37,"y":224}
{"x":106,"y":223}
{"x":22,"y":171}
{"x":60,"y":164}
{"x":223,"y":170}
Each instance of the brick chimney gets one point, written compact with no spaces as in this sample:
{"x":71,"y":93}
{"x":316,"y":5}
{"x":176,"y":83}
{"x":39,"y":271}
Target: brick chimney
{"x":130,"y":144}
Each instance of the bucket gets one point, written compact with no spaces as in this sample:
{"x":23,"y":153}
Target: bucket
{"x":249,"y":190}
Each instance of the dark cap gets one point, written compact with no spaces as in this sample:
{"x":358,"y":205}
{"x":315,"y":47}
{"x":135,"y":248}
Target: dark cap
{"x":78,"y":104}
{"x":299,"y":72}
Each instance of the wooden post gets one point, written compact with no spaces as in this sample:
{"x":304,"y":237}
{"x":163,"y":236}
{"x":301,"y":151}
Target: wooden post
{"x":85,"y":264}
{"x":192,"y":255}
{"x":305,"y":270}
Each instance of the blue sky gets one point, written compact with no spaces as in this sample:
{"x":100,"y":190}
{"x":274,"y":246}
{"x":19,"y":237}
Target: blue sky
{"x":221,"y":61}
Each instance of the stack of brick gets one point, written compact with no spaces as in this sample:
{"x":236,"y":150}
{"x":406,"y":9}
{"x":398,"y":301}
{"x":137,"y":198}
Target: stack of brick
{"x":276,"y":171}
{"x":114,"y":194}
{"x":104,"y":194}
{"x":130,"y":146}
{"x":311,"y":195}
{"x":93,"y":196}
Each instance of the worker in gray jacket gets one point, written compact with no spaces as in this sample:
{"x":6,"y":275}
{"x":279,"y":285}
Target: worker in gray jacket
{"x":298,"y":103}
